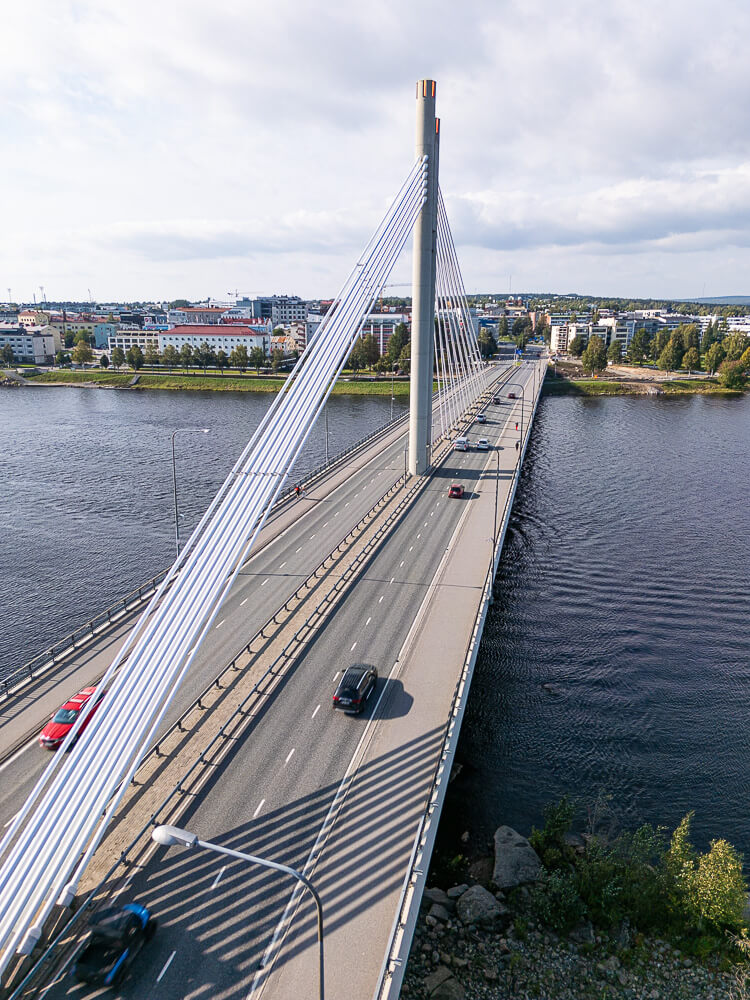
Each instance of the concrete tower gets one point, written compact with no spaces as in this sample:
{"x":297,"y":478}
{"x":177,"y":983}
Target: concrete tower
{"x":423,"y":288}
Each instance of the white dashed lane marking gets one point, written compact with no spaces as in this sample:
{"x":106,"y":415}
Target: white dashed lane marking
{"x":289,"y":756}
{"x":315,"y":712}
{"x":166,"y":966}
{"x":258,"y":808}
{"x":243,"y":602}
{"x":218,"y":878}
{"x":221,"y":622}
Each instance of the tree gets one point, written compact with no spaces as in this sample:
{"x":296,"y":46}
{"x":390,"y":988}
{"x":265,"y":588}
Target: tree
{"x":257,"y":358}
{"x":134,"y":357}
{"x":8,"y":355}
{"x":714,"y":357}
{"x":186,"y":356}
{"x":709,"y":337}
{"x":82,"y":353}
{"x":522,"y":331}
{"x":404,"y":359}
{"x":691,"y":359}
{"x":732,"y":375}
{"x":239,"y":358}
{"x":82,"y":337}
{"x":639,"y":345}
{"x":543,"y":329}
{"x":660,"y":341}
{"x":595,"y":317}
{"x":69,"y":339}
{"x":357,"y":359}
{"x":502,"y":329}
{"x":118,"y":357}
{"x":399,"y":338}
{"x":179,"y":304}
{"x":672,"y":354}
{"x":735,"y":345}
{"x":575,"y":347}
{"x":277,"y":357}
{"x":104,"y":361}
{"x":691,"y":336}
{"x":152,"y":356}
{"x":614,"y":352}
{"x":745,"y":359}
{"x":594,"y":358}
{"x":204,"y":356}
{"x":221,"y":361}
{"x":171,"y":356}
{"x":370,"y":350}
{"x":486,"y":341}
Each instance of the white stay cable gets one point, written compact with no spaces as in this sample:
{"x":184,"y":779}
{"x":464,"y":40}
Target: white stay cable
{"x":168,"y":635}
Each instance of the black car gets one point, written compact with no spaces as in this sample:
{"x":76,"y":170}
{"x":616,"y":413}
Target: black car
{"x":355,"y":688}
{"x":117,"y":935}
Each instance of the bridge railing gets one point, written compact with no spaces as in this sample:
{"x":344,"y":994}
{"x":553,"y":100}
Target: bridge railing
{"x":407,"y":911}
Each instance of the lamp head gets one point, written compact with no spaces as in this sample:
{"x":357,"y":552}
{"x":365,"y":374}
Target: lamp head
{"x":173,"y":836}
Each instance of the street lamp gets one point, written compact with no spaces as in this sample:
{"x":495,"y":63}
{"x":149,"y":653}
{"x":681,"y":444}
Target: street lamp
{"x":394,"y":366}
{"x":523,"y":397}
{"x":170,"y":836}
{"x":199,"y":430}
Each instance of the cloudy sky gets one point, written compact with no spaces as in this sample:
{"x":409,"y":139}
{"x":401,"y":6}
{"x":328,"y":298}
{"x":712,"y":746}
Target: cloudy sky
{"x":160,"y":149}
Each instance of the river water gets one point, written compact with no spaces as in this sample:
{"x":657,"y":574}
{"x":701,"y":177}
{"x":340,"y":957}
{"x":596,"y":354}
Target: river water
{"x":87,"y":511}
{"x":616,"y":656}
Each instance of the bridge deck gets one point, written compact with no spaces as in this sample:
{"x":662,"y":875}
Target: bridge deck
{"x":351,"y":790}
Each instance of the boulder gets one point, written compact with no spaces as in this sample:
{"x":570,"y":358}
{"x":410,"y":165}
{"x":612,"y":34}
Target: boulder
{"x":439,"y":913}
{"x":437,"y":977}
{"x":450,"y":989}
{"x":478,"y":906}
{"x":516,"y":861}
{"x":456,"y":890}
{"x":436,"y":896}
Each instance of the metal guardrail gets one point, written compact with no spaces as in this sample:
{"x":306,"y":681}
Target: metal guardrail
{"x":53,"y":656}
{"x":71,"y":642}
{"x":407,"y":911}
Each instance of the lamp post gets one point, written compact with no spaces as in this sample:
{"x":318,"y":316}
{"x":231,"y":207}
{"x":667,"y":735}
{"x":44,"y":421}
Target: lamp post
{"x":199,"y":430}
{"x":394,"y":366}
{"x":523,"y":398}
{"x":170,"y":836}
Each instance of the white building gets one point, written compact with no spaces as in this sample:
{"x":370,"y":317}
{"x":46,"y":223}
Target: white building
{"x":219,"y":338}
{"x":196,"y":316}
{"x":35,"y":346}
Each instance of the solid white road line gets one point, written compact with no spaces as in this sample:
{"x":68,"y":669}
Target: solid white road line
{"x":17,"y":754}
{"x":218,"y":878}
{"x":289,"y":756}
{"x":166,"y":966}
{"x":258,"y":808}
{"x":244,"y":602}
{"x":315,"y":712}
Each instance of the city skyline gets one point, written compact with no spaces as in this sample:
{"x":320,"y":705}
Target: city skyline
{"x":592,"y":149}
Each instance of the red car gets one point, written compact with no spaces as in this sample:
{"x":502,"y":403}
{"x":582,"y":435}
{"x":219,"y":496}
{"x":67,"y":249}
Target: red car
{"x":456,"y":491}
{"x":512,"y":395}
{"x":62,"y":721}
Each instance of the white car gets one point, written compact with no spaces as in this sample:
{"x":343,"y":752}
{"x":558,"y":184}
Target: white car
{"x":483,"y":444}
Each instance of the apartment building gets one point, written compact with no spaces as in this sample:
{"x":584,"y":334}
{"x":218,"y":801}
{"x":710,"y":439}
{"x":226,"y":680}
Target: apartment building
{"x":32,"y":346}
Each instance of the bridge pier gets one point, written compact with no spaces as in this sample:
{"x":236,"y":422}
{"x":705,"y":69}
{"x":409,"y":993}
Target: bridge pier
{"x":423,"y":288}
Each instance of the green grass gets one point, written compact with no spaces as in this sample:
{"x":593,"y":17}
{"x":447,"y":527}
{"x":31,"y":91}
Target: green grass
{"x":235,"y":383}
{"x":702,"y":385}
{"x":587,"y":387}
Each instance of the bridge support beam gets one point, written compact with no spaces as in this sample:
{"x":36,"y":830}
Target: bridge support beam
{"x":423,"y":288}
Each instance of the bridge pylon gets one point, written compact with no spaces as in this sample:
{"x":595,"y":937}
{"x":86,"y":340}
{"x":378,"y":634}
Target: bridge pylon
{"x":423,"y":287}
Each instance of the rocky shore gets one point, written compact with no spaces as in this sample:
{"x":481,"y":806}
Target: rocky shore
{"x":478,"y":941}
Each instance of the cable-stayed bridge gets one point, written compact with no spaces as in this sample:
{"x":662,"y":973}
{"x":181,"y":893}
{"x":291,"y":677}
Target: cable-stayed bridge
{"x":402,"y":585}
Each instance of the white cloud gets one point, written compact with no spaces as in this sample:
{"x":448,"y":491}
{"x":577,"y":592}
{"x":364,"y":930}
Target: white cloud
{"x":192,"y":146}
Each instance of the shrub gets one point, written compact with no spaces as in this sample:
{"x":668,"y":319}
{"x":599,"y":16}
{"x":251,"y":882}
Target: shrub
{"x":549,"y":842}
{"x":556,"y":901}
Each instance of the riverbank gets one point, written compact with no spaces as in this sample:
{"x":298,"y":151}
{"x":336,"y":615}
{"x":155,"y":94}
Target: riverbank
{"x":569,"y":916}
{"x":603,"y":387}
{"x":220,"y":383}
